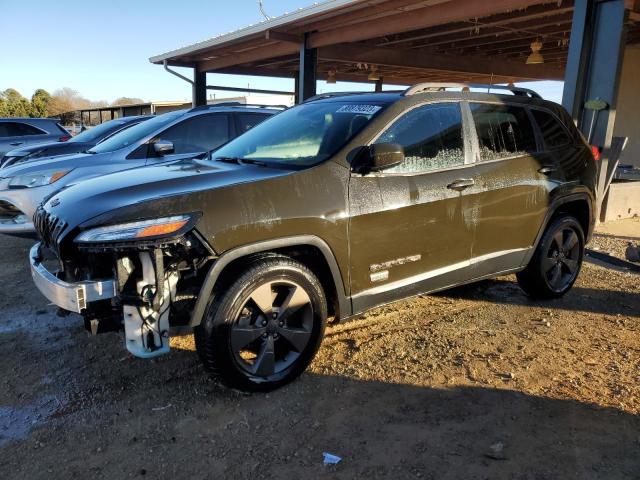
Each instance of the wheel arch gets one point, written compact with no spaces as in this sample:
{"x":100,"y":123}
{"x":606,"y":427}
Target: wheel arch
{"x":309,"y":250}
{"x":579,"y":205}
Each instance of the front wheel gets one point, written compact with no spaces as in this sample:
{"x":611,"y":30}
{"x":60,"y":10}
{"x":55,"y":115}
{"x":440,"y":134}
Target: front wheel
{"x":556,"y":262}
{"x":264,"y":330}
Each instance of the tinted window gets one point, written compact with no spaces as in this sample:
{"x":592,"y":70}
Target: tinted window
{"x":16,"y":129}
{"x":101,"y":131}
{"x":198,"y":134}
{"x":247,"y":121}
{"x":503,"y":131}
{"x":553,"y":133}
{"x":431,"y":136}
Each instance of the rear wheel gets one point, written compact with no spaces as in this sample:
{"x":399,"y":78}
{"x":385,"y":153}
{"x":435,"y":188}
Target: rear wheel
{"x":265,"y":329}
{"x":555,"y":264}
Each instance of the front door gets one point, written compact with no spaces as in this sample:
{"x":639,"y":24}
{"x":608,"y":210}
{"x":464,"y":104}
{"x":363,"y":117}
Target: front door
{"x":198,"y":134}
{"x":407,"y":234}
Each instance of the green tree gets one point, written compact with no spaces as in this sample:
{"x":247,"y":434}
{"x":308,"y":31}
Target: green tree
{"x":4,"y":112}
{"x":16,"y":104}
{"x":40,"y":103}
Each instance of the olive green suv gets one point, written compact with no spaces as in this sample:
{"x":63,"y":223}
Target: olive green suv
{"x":332,"y":207}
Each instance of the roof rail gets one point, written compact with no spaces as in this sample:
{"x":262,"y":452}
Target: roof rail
{"x":443,"y":86}
{"x":320,"y":96}
{"x":235,"y":104}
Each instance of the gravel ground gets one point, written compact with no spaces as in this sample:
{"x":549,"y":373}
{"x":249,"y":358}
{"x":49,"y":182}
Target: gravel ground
{"x":478,"y":382}
{"x":616,"y":237}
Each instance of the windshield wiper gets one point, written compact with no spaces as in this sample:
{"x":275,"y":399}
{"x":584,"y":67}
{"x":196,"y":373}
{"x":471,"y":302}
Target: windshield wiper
{"x":235,"y":160}
{"x":90,"y":151}
{"x":253,"y":162}
{"x":242,"y":161}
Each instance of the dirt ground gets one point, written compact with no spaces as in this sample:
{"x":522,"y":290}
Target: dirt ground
{"x":476,"y":383}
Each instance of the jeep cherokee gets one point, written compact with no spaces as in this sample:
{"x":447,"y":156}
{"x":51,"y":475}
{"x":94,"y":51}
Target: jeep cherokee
{"x":337,"y":205}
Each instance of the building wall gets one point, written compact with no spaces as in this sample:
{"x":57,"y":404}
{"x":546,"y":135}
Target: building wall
{"x":628,"y":113}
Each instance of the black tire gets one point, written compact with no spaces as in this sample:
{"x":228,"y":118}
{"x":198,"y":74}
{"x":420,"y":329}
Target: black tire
{"x":556,"y":262}
{"x":287,"y":342}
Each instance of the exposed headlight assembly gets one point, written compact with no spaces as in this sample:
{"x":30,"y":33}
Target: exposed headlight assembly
{"x":37,"y":179}
{"x":144,"y":229}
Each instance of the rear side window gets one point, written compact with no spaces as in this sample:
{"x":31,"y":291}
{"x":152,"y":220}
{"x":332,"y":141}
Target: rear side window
{"x":17,"y":129}
{"x":431,"y":136}
{"x":198,"y":134}
{"x":553,"y":132}
{"x":247,"y":121}
{"x":503,"y":131}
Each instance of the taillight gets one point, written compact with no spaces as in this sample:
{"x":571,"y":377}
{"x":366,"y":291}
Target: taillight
{"x":595,"y":151}
{"x":64,"y":138}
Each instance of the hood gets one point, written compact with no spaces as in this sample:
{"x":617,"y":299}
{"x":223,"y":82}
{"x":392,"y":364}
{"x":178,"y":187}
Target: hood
{"x":122,"y":195}
{"x":40,"y":150}
{"x":52,"y":147}
{"x":61,"y":162}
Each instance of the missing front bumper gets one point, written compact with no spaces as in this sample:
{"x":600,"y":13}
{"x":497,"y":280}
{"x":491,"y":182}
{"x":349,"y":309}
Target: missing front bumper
{"x":73,"y":297}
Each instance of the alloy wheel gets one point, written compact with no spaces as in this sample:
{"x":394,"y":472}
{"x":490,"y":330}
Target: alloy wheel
{"x":272,"y":328}
{"x":562,"y":261}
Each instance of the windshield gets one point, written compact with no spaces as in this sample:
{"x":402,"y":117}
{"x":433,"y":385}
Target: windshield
{"x":96,"y":133}
{"x":301,"y":136}
{"x":136,"y":133}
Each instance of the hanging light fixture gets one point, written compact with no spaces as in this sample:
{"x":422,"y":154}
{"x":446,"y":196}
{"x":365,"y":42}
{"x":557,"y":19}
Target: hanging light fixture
{"x":331,"y":75}
{"x":373,"y":74}
{"x":535,"y":57}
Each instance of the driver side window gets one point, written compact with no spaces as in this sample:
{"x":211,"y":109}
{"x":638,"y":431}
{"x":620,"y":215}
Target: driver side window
{"x":431,"y":136}
{"x":198,"y":134}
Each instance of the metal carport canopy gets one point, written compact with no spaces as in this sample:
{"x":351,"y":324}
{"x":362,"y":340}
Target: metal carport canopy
{"x":407,"y":40}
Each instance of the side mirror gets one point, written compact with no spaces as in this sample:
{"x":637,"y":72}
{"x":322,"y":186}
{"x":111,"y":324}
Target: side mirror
{"x":163,"y":147}
{"x":385,"y":155}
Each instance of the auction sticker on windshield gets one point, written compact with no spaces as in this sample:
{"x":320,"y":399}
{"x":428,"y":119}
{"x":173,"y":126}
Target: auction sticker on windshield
{"x":359,"y":108}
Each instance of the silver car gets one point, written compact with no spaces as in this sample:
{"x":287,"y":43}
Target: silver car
{"x":22,"y":132}
{"x":169,"y":137}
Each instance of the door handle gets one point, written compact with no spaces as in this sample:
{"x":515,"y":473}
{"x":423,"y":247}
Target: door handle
{"x":461,"y":184}
{"x":546,"y":169}
{"x":15,"y":144}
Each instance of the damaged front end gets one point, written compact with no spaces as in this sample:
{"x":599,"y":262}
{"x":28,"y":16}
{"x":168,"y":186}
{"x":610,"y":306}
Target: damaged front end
{"x":143,"y":276}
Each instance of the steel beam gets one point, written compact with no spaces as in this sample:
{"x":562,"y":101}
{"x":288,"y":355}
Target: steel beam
{"x":199,"y":88}
{"x":596,"y":51}
{"x":308,"y":70}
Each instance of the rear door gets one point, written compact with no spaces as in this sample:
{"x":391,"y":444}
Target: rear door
{"x":507,"y":205}
{"x":407,"y":234}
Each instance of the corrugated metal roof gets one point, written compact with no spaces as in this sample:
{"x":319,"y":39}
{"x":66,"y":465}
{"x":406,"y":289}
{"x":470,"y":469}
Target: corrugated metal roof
{"x":287,"y":18}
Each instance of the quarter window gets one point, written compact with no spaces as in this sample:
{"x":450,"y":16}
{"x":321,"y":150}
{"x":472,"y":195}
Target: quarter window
{"x":503,"y":131}
{"x":431,"y":136}
{"x":198,"y":134}
{"x":553,"y":133}
{"x":16,"y":129}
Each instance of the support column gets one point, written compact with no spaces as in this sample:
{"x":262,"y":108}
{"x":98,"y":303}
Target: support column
{"x":596,"y":51}
{"x":379,"y":83}
{"x":306,"y":86}
{"x":199,"y":94}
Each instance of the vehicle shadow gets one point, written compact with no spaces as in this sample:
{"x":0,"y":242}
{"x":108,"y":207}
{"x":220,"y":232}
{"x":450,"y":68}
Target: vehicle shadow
{"x":592,"y":300}
{"x":381,"y":430}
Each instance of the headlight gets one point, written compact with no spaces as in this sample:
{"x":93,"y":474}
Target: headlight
{"x":37,"y":179}
{"x":144,"y":229}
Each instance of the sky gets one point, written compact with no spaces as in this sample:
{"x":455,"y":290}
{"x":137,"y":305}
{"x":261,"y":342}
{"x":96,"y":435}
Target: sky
{"x":102,"y":48}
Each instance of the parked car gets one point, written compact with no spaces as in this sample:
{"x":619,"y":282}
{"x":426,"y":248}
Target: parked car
{"x":168,"y":137}
{"x":21,"y":132}
{"x":80,"y":143}
{"x":335,"y":206}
